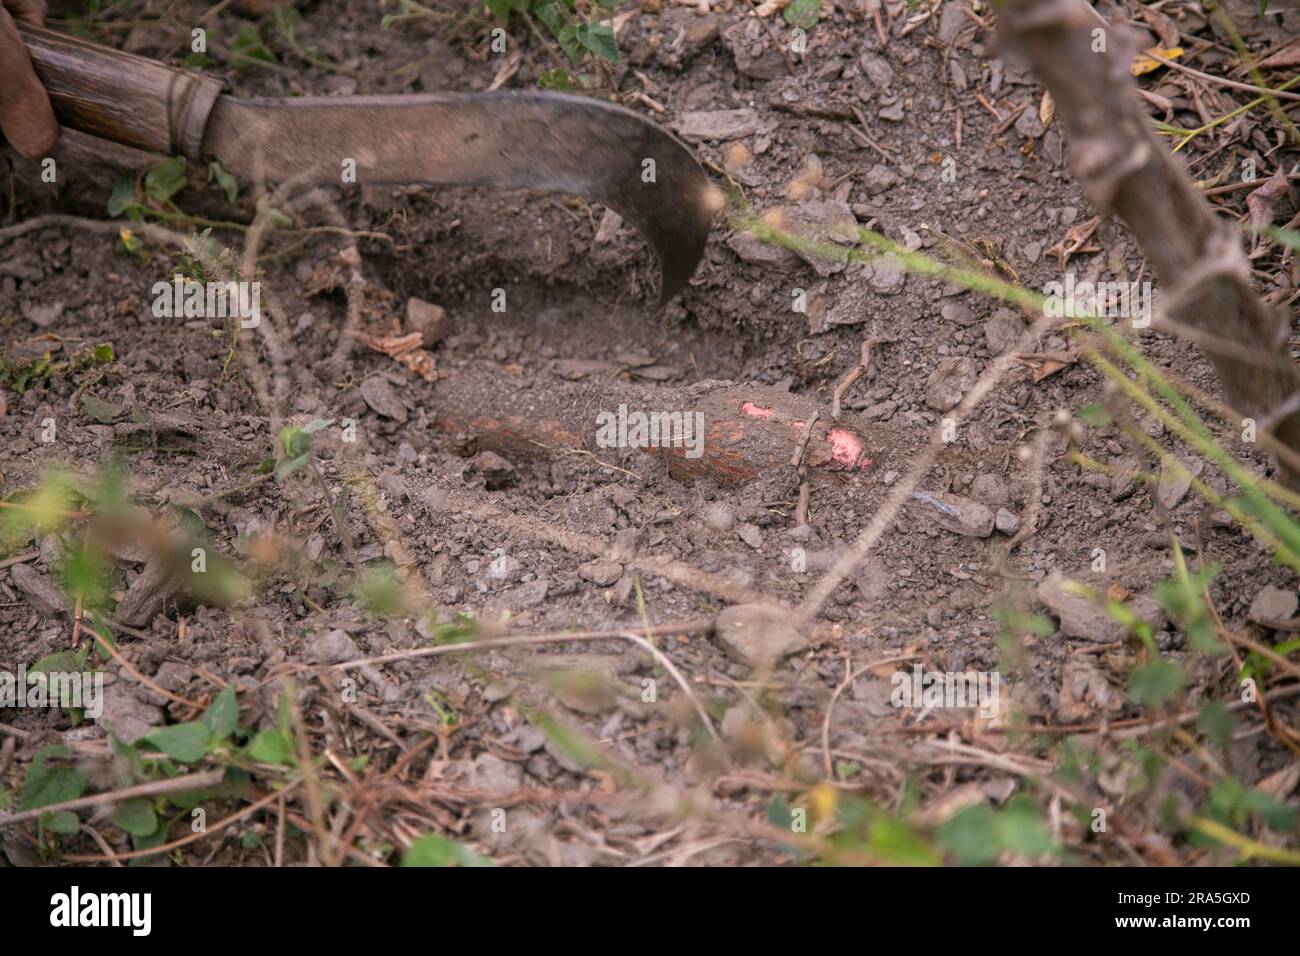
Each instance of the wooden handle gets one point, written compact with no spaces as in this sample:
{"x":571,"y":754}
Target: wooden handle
{"x":122,"y":97}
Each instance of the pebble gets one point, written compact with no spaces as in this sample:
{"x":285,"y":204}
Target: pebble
{"x":1088,"y":620}
{"x":601,"y":572}
{"x":331,"y":647}
{"x":753,"y":633}
{"x":718,"y":517}
{"x":700,"y":125}
{"x":382,"y":398}
{"x":1002,"y":330}
{"x":1272,"y":605}
{"x":429,"y":320}
{"x":949,"y":382}
{"x":959,"y":515}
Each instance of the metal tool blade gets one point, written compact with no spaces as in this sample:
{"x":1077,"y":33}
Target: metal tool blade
{"x":546,"y":141}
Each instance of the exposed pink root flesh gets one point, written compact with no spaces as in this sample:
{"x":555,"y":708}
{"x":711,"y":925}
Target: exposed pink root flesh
{"x":846,"y":447}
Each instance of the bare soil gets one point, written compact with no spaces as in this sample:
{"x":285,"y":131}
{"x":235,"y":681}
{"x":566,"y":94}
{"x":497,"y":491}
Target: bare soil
{"x":574,"y":539}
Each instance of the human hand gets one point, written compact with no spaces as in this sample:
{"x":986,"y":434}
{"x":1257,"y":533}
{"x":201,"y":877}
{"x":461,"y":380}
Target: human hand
{"x":26,"y":117}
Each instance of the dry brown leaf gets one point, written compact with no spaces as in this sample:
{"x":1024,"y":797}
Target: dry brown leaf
{"x":1289,"y":55}
{"x":1043,"y":364}
{"x":1144,"y":64}
{"x":1046,"y":109}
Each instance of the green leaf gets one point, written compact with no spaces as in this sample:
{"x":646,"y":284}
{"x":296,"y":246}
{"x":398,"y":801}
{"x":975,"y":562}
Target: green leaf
{"x":803,"y":13}
{"x":501,"y":9}
{"x":779,"y":813}
{"x":435,"y":850}
{"x":897,"y":843}
{"x":166,"y":179}
{"x":271,"y":747}
{"x":45,"y":784}
{"x":1273,"y":812}
{"x":556,"y":79}
{"x":1022,"y":830}
{"x":599,"y":39}
{"x":248,"y":45}
{"x":65,"y":822}
{"x":222,"y":714}
{"x":226,"y":180}
{"x":122,"y":196}
{"x":971,"y":835}
{"x":185,"y":743}
{"x":1095,"y":415}
{"x":380,"y":590}
{"x":136,"y":817}
{"x":1155,"y":683}
{"x":1215,"y":721}
{"x":313,"y":427}
{"x":195,"y":61}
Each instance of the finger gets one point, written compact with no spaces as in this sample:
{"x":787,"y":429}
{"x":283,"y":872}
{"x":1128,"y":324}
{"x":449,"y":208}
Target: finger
{"x":28,"y":11}
{"x":26,"y":116}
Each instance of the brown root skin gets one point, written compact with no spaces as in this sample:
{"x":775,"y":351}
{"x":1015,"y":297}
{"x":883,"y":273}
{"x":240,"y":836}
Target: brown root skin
{"x":750,"y":431}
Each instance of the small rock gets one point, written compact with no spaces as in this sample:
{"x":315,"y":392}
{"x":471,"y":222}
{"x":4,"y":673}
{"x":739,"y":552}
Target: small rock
{"x":879,"y":178}
{"x":1006,"y":522}
{"x":957,"y":313}
{"x":959,"y":515}
{"x":700,"y":125}
{"x":41,"y":593}
{"x":1175,"y":480}
{"x":753,"y":51}
{"x":877,"y":70}
{"x":734,"y":722}
{"x":753,"y":250}
{"x":1088,"y":620}
{"x":429,"y":320}
{"x":623,"y":549}
{"x":952,"y":21}
{"x":886,"y":274}
{"x":491,"y":774}
{"x":718,"y":517}
{"x":751,"y":535}
{"x":1002,"y":331}
{"x":893,"y":113}
{"x":823,"y":221}
{"x":881,"y":411}
{"x":1272,"y":606}
{"x":496,"y":471}
{"x":949,"y":382}
{"x":990,"y":490}
{"x":332,"y":647}
{"x":125,"y":716}
{"x":173,"y":676}
{"x":43,"y":316}
{"x":504,"y":569}
{"x":145,"y":597}
{"x":530,"y":594}
{"x":600,"y":572}
{"x":380,"y":395}
{"x":753,"y":633}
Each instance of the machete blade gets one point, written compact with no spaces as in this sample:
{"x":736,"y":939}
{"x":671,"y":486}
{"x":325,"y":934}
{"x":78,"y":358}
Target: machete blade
{"x":546,"y":141}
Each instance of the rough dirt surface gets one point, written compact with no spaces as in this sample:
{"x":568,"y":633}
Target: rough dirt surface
{"x":583,"y":539}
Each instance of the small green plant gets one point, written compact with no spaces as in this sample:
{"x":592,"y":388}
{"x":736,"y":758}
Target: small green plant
{"x":580,"y":28}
